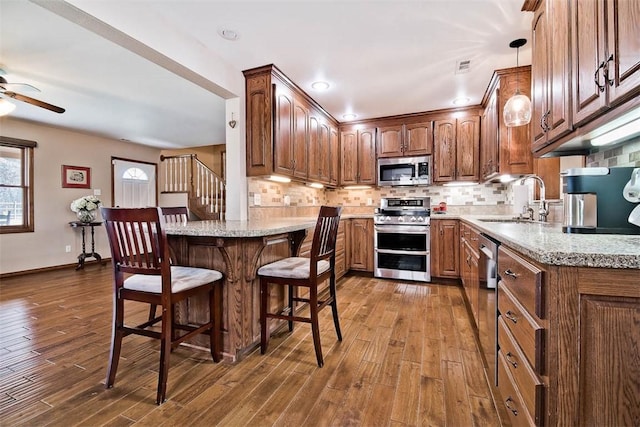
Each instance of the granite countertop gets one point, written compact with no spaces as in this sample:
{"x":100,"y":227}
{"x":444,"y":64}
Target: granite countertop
{"x":547,"y":244}
{"x":252,"y":228}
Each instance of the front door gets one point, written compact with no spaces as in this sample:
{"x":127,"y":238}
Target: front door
{"x":134,"y":183}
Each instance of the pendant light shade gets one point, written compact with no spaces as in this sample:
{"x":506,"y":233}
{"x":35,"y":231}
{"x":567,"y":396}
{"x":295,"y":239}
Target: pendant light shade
{"x":517,"y":110}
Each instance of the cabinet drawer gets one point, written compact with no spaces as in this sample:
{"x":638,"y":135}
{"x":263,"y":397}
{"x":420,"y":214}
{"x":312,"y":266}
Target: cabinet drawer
{"x":526,"y":331}
{"x":523,"y":279}
{"x":528,"y":384}
{"x":518,"y":414}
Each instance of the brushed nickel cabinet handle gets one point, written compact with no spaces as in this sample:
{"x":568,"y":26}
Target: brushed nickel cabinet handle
{"x":596,"y":77}
{"x":510,"y":273}
{"x":509,"y":403}
{"x":511,"y":316}
{"x":511,"y":360}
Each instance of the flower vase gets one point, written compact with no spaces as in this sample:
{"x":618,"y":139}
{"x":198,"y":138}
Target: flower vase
{"x":86,"y":216}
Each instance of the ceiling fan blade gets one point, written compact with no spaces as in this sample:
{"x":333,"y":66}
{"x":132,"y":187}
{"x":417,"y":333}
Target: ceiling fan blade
{"x":34,"y":101}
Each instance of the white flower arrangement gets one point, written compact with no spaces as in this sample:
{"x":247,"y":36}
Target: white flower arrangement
{"x":86,"y":203}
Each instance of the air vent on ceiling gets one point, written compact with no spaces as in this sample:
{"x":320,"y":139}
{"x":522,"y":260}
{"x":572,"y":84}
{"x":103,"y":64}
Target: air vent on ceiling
{"x":463,"y":66}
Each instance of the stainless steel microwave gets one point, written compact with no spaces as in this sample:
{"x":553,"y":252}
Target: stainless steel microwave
{"x":404,"y":171}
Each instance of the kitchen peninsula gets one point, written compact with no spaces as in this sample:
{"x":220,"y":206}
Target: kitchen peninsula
{"x":237,"y":249}
{"x":568,"y":316}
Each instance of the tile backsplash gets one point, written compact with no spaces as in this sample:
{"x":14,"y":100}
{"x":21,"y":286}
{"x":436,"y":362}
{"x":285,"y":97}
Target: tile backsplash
{"x":627,"y":154}
{"x":304,"y":201}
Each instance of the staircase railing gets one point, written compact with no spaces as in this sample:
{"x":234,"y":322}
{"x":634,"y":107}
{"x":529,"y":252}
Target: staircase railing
{"x":187,"y":174}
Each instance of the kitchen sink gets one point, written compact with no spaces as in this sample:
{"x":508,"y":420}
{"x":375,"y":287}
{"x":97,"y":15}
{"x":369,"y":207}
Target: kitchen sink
{"x":511,"y":220}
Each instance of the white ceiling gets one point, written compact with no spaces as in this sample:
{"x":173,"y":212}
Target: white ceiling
{"x":381,"y":58}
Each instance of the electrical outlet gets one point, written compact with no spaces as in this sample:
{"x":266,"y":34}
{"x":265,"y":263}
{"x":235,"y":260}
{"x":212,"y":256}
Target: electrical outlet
{"x":449,"y":200}
{"x":97,"y":192}
{"x":369,"y":201}
{"x":67,"y":248}
{"x":287,"y":201}
{"x":257,"y":199}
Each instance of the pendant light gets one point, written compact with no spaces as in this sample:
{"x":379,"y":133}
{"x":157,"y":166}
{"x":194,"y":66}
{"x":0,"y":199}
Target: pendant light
{"x":517,"y":110}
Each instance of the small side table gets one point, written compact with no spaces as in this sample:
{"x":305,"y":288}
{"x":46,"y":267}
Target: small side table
{"x":84,"y":255}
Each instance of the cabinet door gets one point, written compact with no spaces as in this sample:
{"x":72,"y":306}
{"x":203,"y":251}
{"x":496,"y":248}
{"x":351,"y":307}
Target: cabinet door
{"x":539,"y":77}
{"x":300,"y":138}
{"x":418,"y":139}
{"x":444,"y":151}
{"x":362,"y":244}
{"x":468,"y":149}
{"x":489,"y":144}
{"x":515,"y":142}
{"x":334,"y":174}
{"x":324,"y":145}
{"x":390,"y":142}
{"x":283,"y":132}
{"x":448,"y":247}
{"x":314,"y":148}
{"x":623,"y":42}
{"x":588,"y":55}
{"x":558,"y":119}
{"x":349,"y":157}
{"x":367,"y":156}
{"x":259,"y":126}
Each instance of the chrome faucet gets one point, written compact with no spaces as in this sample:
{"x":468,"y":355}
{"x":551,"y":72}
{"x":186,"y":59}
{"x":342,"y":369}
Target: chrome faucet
{"x":543,"y":209}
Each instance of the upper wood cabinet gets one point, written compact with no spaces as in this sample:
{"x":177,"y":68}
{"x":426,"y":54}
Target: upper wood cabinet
{"x":456,"y":146}
{"x":287,"y":132}
{"x":606,"y":54}
{"x":319,"y":149}
{"x":334,"y":157}
{"x":504,"y":150}
{"x":414,"y":139}
{"x":550,"y":100}
{"x":358,"y":157}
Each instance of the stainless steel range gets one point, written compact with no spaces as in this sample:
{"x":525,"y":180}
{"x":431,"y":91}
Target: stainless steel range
{"x":402,"y":239}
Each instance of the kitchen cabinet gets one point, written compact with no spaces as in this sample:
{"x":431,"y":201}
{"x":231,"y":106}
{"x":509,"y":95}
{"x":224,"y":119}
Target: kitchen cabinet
{"x":456,"y":147}
{"x":550,"y":99}
{"x":505,"y":150}
{"x":445,"y":248}
{"x":469,"y":273}
{"x":358,"y":157}
{"x":361,"y":243}
{"x":319,"y":150}
{"x":605,"y":56}
{"x":285,"y":129}
{"x":334,"y":157}
{"x":412,"y":139}
{"x":521,"y":297}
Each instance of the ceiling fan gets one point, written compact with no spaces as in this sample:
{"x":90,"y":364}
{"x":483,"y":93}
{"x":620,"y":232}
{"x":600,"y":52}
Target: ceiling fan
{"x":5,"y":91}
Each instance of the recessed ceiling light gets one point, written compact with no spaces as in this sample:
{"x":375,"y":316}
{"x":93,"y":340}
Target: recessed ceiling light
{"x":349,"y":116}
{"x":320,"y":85}
{"x":463,"y":100}
{"x":228,"y":34}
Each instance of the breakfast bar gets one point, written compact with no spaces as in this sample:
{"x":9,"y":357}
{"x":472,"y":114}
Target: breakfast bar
{"x":237,"y":249}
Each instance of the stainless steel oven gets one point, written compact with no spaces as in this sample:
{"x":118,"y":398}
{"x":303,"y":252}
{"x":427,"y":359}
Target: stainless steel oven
{"x":488,"y":303}
{"x":402,"y":239}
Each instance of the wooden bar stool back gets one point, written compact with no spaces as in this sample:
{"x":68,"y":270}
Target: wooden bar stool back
{"x":310,"y":272}
{"x":142,"y":272}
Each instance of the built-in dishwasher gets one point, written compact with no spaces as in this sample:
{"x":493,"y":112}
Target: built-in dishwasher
{"x":488,"y":302}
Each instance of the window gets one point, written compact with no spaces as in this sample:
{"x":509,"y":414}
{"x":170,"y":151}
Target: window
{"x":16,"y":185}
{"x":135,"y":173}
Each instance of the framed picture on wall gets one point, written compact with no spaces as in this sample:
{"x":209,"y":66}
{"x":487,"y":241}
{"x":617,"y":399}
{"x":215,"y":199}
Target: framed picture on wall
{"x":76,"y":177}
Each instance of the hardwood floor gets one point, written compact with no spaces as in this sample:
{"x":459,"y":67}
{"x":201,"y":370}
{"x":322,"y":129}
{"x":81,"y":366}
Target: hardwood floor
{"x":408,"y":357}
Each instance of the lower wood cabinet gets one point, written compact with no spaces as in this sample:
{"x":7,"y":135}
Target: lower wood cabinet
{"x":445,"y":248}
{"x":361,"y":243}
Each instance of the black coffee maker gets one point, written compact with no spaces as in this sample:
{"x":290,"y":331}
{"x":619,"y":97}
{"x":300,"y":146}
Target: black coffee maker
{"x":594,"y":201}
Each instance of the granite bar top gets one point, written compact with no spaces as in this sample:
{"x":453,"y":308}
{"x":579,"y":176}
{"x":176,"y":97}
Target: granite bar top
{"x":547,"y":244}
{"x":252,"y":228}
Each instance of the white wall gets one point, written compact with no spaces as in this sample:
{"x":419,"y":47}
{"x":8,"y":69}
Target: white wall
{"x":45,"y":247}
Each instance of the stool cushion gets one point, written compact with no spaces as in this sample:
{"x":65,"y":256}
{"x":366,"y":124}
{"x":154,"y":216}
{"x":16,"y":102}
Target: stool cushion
{"x":292,"y":268}
{"x":182,"y":278}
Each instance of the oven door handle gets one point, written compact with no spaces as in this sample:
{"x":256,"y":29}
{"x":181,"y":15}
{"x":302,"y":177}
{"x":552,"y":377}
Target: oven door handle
{"x":404,"y":229}
{"x":396,"y":252}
